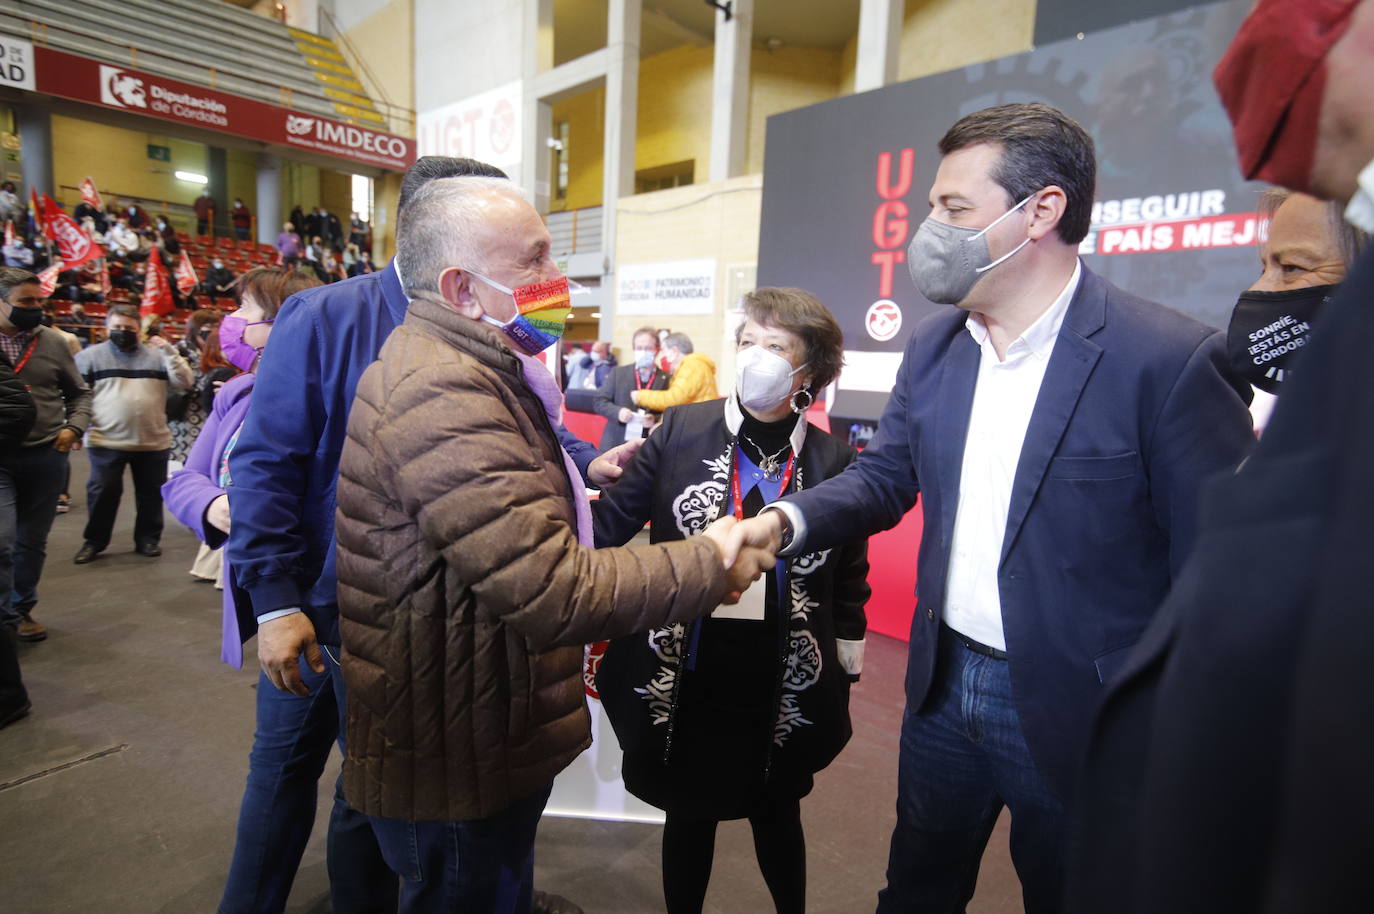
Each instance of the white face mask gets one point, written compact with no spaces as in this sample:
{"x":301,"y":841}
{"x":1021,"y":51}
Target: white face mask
{"x":763,"y":379}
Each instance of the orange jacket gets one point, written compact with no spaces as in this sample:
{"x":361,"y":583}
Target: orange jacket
{"x":693,"y":382}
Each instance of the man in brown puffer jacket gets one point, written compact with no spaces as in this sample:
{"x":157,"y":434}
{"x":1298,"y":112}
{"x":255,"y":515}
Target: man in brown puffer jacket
{"x":465,"y":597}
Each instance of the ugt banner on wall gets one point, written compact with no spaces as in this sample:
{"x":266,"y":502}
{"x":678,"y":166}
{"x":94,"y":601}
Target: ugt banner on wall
{"x":485,"y":127}
{"x":846,"y":182}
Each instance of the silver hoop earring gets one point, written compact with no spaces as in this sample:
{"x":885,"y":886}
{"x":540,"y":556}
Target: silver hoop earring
{"x":809,"y":400}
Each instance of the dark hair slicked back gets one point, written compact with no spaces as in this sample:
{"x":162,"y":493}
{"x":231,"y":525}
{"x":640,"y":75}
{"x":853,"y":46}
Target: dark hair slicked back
{"x":430,"y":168}
{"x":1041,"y":146}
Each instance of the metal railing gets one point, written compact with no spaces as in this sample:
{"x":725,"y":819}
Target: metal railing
{"x":374,"y":85}
{"x":575,"y":231}
{"x":182,"y":216}
{"x":286,"y":95}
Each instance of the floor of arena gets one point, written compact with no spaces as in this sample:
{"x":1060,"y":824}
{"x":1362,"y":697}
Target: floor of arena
{"x":120,"y":792}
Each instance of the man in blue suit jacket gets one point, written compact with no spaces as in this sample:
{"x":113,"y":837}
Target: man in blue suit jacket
{"x":1058,"y":430}
{"x":284,"y":467}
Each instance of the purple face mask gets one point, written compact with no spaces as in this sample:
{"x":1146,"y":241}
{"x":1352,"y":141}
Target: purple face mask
{"x":237,"y":352}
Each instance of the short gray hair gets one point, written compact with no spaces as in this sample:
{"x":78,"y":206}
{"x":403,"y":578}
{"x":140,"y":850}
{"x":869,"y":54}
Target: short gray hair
{"x":1350,"y":240}
{"x":679,"y":341}
{"x":440,"y":225}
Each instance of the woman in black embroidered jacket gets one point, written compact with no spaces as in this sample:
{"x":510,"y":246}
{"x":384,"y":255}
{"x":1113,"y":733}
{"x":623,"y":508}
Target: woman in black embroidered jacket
{"x":731,"y":716}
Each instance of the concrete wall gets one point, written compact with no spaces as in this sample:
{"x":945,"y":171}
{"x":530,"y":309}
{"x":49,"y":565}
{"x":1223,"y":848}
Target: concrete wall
{"x":674,"y":111}
{"x":585,"y":116}
{"x":939,"y":35}
{"x":300,"y":186}
{"x":336,"y":194}
{"x":242,"y":181}
{"x":465,"y":48}
{"x":381,"y":34}
{"x":385,"y":193}
{"x":117,"y":160}
{"x":720,"y":221}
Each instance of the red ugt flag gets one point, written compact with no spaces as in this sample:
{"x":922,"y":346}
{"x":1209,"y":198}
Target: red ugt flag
{"x":157,"y":291}
{"x":47,"y":280}
{"x":75,"y":246}
{"x":186,"y":275}
{"x":90,"y":195}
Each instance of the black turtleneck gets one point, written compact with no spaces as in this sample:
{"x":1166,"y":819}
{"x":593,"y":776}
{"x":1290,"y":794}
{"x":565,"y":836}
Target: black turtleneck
{"x":766,"y":439}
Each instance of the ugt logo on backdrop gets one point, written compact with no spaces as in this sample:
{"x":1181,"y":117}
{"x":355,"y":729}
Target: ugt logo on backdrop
{"x":883,"y":320}
{"x":120,"y":89}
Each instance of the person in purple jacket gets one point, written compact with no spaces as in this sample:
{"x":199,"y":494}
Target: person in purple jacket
{"x":196,"y":495}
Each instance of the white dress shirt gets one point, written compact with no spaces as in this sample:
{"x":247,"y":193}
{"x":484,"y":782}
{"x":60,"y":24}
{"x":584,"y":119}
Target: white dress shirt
{"x":1002,"y":405}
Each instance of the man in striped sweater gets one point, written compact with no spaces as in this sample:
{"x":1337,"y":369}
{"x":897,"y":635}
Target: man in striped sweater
{"x":130,"y":381}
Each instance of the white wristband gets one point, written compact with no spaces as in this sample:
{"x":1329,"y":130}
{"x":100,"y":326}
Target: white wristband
{"x":277,"y":614}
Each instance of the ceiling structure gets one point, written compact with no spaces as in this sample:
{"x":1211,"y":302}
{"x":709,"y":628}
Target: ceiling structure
{"x":580,"y":25}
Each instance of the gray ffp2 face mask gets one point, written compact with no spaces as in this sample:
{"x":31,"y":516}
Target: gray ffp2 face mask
{"x":946,"y":261}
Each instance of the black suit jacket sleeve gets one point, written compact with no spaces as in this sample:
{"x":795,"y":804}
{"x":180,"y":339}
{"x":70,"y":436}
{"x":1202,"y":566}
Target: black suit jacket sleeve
{"x":604,"y":402}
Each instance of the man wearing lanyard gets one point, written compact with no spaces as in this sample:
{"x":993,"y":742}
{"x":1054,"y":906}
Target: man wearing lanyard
{"x":614,"y":398}
{"x":32,"y":476}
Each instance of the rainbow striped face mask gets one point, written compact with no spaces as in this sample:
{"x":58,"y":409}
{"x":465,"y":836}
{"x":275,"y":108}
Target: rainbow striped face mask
{"x":541,"y":313}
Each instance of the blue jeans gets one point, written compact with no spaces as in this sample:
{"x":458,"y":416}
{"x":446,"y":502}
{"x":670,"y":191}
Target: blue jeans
{"x":482,"y":866}
{"x":962,"y":758}
{"x":292,"y":743}
{"x":31,"y":478}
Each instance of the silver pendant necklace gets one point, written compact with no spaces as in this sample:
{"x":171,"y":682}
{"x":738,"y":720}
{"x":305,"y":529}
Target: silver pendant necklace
{"x":770,"y":464}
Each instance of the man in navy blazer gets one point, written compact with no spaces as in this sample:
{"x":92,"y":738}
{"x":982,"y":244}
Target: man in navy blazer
{"x":284,"y":467}
{"x":1058,"y":430}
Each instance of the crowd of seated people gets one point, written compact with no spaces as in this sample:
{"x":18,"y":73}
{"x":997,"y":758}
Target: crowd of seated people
{"x":316,"y":244}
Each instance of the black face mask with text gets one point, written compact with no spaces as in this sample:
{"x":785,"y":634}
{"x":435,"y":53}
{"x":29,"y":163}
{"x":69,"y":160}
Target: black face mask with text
{"x":1269,"y":329}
